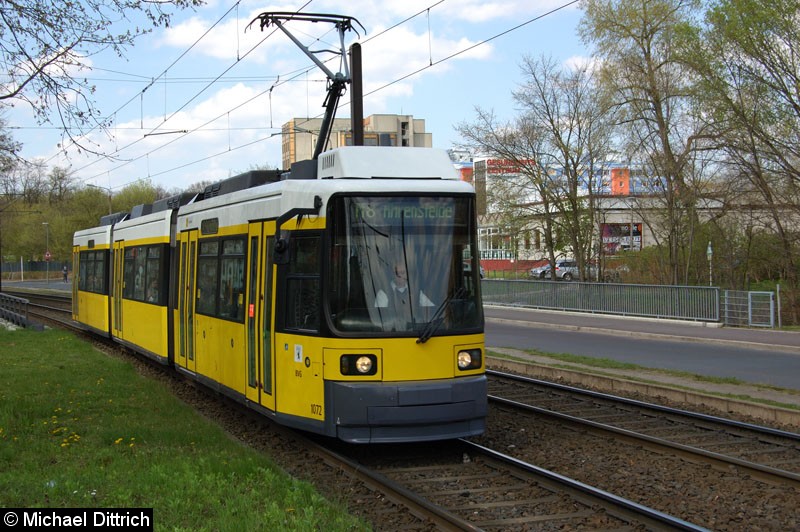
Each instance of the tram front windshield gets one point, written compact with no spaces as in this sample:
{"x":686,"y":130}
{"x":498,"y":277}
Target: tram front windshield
{"x":404,"y":266}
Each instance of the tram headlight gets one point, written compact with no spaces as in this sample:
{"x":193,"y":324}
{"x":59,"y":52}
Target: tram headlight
{"x":358,"y":365}
{"x":469,"y":359}
{"x":363,"y":364}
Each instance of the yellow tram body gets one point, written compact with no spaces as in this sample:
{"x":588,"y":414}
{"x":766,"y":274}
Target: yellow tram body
{"x":90,"y":257}
{"x":273,"y":291}
{"x":139,"y":280}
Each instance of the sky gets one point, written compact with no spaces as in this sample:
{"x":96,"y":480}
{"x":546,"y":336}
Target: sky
{"x":204,"y":99}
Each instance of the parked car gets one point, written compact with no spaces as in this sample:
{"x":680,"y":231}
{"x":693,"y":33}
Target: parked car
{"x":540,"y":272}
{"x":566,"y":270}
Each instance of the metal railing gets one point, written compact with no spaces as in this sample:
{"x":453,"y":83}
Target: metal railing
{"x":696,"y":303}
{"x":748,"y":309}
{"x":14,"y":310}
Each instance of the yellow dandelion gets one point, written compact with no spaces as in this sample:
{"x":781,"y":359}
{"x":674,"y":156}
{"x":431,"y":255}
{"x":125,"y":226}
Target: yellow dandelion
{"x":118,"y":441}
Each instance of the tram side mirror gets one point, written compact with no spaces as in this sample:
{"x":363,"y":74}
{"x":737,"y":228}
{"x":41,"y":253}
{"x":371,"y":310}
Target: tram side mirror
{"x":280,"y":254}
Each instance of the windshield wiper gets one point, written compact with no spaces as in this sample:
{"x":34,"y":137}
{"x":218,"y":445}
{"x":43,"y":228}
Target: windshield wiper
{"x":436,"y":322}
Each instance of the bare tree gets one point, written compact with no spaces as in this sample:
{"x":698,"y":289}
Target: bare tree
{"x":59,"y":182}
{"x":564,"y":105}
{"x":552,"y":150}
{"x":9,"y":149}
{"x":526,"y":192}
{"x":29,"y":180}
{"x":45,"y":49}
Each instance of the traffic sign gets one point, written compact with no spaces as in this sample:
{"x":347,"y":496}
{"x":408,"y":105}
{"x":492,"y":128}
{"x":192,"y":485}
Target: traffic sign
{"x":47,"y":256}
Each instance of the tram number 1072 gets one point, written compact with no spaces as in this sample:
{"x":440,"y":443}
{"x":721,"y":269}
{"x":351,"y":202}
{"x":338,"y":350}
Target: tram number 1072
{"x":316,"y":410}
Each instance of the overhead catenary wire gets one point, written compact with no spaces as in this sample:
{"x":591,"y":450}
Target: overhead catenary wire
{"x":186,"y":103}
{"x":280,"y":82}
{"x":154,"y":79}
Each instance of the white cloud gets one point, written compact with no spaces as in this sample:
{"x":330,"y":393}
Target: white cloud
{"x":579,"y":62}
{"x":439,"y":94}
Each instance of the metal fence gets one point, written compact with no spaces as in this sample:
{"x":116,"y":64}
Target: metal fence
{"x":697,"y":303}
{"x":748,"y":309}
{"x":35,"y":266}
{"x":14,"y":309}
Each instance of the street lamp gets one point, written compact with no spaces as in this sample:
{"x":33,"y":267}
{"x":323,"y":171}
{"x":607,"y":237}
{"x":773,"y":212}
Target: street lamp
{"x":47,"y":250}
{"x":710,"y":255}
{"x":103,"y":188}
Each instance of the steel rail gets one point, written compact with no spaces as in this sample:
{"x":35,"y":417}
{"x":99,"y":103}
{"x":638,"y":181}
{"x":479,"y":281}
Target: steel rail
{"x":642,"y":404}
{"x":721,"y":461}
{"x":616,"y":505}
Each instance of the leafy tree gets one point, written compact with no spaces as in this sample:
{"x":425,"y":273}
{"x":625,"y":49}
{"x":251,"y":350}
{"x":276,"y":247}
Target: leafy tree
{"x":137,"y":193}
{"x":747,"y":60}
{"x":642,"y":74}
{"x":45,"y":49}
{"x":85,"y":207}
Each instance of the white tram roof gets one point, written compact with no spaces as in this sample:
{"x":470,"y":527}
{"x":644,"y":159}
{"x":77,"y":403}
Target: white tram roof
{"x":374,"y":162}
{"x":153,"y":225}
{"x":371,"y":169}
{"x":97,"y":236}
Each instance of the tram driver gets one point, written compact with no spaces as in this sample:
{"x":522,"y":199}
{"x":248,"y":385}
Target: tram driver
{"x":403,"y":308}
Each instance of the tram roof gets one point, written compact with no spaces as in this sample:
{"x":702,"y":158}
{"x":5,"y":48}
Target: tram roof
{"x":384,"y":162}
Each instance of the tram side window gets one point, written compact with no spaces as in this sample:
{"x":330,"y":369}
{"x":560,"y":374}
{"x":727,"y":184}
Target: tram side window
{"x":143,"y":273}
{"x":231,"y":294}
{"x":153,"y":275}
{"x":92,"y":268}
{"x":303,"y":286}
{"x":221,"y":278}
{"x":207,"y":264}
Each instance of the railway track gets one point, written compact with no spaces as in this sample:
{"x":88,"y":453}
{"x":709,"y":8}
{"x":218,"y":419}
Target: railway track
{"x":465,"y":486}
{"x":715,"y":472}
{"x":762,"y":452}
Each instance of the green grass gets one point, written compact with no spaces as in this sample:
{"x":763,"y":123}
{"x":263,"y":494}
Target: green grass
{"x":81,"y":429}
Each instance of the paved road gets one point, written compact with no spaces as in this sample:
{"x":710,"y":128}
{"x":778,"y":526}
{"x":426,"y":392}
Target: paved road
{"x":53,"y":284}
{"x":752,"y":355}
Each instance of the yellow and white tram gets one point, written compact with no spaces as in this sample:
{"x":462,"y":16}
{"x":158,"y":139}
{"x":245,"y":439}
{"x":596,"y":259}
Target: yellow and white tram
{"x":341,"y":297}
{"x":90,"y":252}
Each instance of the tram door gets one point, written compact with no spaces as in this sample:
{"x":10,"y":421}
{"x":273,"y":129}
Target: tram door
{"x":117,"y":279}
{"x":76,"y":265}
{"x":260,"y":375}
{"x":186,"y":286}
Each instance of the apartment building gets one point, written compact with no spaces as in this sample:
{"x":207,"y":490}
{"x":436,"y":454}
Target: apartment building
{"x":299,"y":135}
